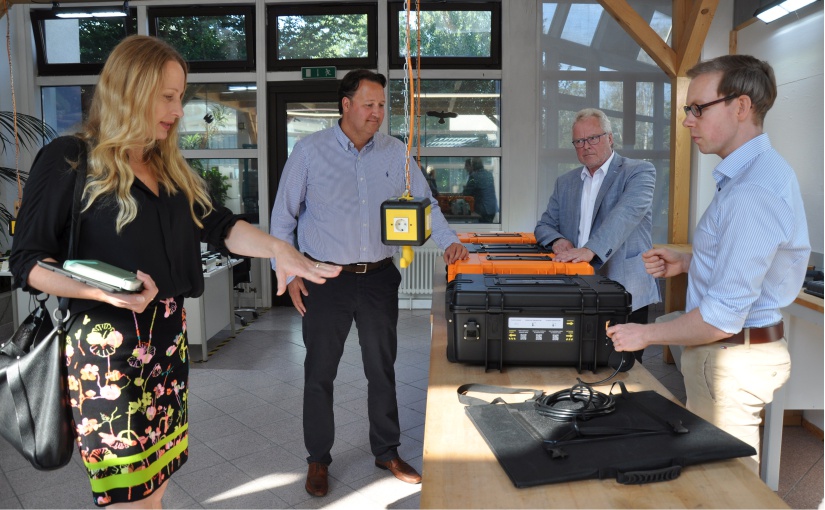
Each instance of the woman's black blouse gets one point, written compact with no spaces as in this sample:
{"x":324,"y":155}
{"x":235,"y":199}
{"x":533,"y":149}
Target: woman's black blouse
{"x":162,"y":241}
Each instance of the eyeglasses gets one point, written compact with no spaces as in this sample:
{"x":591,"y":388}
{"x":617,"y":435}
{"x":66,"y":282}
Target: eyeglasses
{"x":592,"y":140}
{"x":696,"y":109}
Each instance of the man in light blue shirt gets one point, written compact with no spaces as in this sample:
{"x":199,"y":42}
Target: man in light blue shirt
{"x":331,"y":190}
{"x":750,"y":254}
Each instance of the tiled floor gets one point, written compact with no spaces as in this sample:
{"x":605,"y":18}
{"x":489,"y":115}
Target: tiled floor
{"x":246,"y":447}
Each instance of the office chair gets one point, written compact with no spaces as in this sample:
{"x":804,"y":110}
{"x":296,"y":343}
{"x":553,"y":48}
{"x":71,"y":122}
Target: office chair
{"x":241,"y":280}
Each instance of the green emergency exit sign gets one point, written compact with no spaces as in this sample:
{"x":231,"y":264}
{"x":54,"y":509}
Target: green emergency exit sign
{"x":318,"y":73}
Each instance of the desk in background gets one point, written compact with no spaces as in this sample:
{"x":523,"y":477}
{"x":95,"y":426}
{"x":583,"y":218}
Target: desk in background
{"x":214,"y":309}
{"x":803,"y":391}
{"x":460,"y":470}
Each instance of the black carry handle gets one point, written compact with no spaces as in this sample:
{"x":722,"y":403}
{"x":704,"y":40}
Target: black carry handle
{"x":523,"y":257}
{"x":653,"y":475}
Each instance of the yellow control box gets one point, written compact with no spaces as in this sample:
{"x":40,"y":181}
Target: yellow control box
{"x":406,"y":221}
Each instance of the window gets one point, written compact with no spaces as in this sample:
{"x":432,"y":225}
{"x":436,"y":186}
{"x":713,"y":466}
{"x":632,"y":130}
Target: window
{"x":76,"y":46}
{"x":65,"y":108}
{"x":467,"y":188}
{"x":344,"y":36}
{"x":458,"y":35}
{"x":216,"y":133}
{"x":213,"y":39}
{"x":454,"y":113}
{"x":232,"y":183}
{"x":460,"y":122}
{"x":588,"y":61}
{"x":219,"y":116}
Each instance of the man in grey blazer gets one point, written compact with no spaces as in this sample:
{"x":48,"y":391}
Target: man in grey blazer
{"x":602,"y":213}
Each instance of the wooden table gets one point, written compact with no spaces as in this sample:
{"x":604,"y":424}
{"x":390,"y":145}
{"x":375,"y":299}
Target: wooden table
{"x":460,"y":470}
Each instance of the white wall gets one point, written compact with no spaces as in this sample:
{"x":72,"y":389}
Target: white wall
{"x":794,"y":47}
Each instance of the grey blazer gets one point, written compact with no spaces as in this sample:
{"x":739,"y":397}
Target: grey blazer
{"x":622,"y":219}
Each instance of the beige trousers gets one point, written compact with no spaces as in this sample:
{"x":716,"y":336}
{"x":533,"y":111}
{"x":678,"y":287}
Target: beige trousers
{"x":729,"y":384}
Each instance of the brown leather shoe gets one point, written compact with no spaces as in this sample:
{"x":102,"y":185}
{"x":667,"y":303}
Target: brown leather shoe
{"x":400,"y":469}
{"x":317,"y":479}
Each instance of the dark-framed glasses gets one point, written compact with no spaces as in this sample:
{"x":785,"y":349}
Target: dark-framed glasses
{"x":696,"y":109}
{"x":592,"y":140}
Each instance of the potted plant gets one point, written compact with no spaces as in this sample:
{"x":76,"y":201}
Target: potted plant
{"x":31,"y":133}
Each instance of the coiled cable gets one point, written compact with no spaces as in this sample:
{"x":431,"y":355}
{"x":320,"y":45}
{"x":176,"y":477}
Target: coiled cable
{"x":580,"y":402}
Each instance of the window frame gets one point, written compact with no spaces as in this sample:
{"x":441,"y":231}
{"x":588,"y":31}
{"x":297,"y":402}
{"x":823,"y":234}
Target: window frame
{"x":38,"y":17}
{"x":396,"y":61}
{"x":248,"y":11}
{"x":274,"y":11}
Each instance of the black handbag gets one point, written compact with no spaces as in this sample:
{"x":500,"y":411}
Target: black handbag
{"x":35,"y":415}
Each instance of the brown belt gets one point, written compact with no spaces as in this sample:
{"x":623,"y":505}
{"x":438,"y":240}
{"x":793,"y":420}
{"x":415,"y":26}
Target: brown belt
{"x":758,"y":335}
{"x":359,"y":267}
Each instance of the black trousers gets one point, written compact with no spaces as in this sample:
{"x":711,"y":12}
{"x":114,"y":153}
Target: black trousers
{"x":371,"y":300}
{"x":638,"y":317}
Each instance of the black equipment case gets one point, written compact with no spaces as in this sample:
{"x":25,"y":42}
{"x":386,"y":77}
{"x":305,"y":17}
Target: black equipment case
{"x":553,"y":320}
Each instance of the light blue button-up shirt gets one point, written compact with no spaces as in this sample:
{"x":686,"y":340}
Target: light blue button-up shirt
{"x":751,"y":247}
{"x":333,"y":194}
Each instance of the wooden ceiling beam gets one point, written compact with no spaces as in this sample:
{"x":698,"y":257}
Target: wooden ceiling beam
{"x":641,"y":32}
{"x":696,"y":28}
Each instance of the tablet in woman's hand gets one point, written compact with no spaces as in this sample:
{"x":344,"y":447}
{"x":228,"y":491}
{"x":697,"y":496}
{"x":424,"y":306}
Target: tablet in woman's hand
{"x":97,"y":274}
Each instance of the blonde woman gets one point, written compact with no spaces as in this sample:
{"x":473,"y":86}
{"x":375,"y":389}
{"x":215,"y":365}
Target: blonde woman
{"x":144,"y":210}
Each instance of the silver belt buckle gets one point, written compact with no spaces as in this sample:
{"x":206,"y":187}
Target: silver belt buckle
{"x":365,"y":267}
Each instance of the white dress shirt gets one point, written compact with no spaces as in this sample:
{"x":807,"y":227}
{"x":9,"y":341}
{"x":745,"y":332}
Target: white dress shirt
{"x":590,"y":190}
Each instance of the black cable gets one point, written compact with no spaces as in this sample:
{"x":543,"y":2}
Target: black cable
{"x":579,"y":402}
{"x":606,"y":379}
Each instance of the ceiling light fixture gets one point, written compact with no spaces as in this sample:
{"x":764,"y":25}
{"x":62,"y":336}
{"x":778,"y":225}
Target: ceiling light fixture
{"x":775,"y":10}
{"x":90,"y":12}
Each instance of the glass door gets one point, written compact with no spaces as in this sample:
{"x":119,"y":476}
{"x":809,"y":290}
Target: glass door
{"x":297,"y":109}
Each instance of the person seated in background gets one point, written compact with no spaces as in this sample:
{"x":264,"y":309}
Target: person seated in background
{"x":431,"y":181}
{"x":481,"y":187}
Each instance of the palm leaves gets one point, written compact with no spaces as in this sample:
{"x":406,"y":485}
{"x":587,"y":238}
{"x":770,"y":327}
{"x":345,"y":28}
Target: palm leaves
{"x":31,"y":133}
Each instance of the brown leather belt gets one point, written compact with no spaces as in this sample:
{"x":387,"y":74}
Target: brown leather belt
{"x":758,"y":335}
{"x":359,"y":267}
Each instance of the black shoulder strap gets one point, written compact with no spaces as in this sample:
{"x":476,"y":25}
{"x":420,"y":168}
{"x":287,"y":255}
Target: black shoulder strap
{"x":486,"y":388}
{"x":74,"y":235}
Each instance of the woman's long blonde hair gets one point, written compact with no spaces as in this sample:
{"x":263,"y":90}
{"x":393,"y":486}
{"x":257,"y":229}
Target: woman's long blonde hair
{"x":121,"y":118}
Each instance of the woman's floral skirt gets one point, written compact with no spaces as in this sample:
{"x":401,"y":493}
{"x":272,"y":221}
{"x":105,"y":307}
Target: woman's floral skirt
{"x":128,"y":386}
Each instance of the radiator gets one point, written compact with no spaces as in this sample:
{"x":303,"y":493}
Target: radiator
{"x":417,"y":279}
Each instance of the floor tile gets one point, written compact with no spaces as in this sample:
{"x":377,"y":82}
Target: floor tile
{"x":66,"y":495}
{"x":238,"y":445}
{"x":12,"y":502}
{"x":807,"y":492}
{"x":176,"y":497}
{"x":270,"y":461}
{"x":200,"y":457}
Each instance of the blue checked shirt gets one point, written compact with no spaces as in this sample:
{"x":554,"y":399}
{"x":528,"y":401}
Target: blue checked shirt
{"x":333,"y":194}
{"x":751,"y":247}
